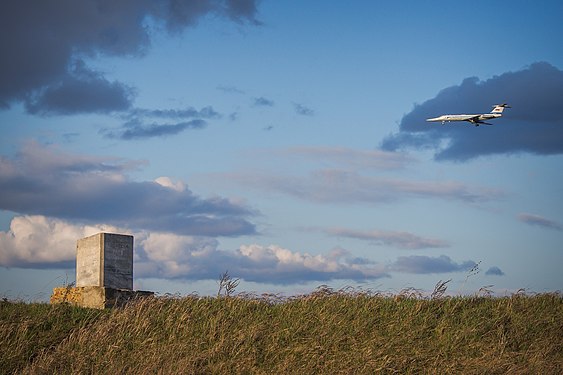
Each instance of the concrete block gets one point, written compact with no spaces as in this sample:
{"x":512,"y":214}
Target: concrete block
{"x":105,"y":260}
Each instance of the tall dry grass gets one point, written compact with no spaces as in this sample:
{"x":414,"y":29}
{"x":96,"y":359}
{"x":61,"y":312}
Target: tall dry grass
{"x":325,"y":332}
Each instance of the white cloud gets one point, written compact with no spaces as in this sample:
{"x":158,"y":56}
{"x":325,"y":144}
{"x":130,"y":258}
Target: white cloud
{"x":41,"y":242}
{"x":167,"y":182}
{"x":171,"y":256}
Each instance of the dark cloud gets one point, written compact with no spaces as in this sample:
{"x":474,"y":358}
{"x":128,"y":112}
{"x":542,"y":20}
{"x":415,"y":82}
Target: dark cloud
{"x":133,"y":130}
{"x":40,"y":40}
{"x":178,"y":14}
{"x":242,"y":11}
{"x":82,"y":90}
{"x":263,"y":102}
{"x":494,"y":271}
{"x":421,"y":264}
{"x":136,"y":127}
{"x":537,"y":220}
{"x":300,"y":109}
{"x":534,"y":124}
{"x":44,"y":181}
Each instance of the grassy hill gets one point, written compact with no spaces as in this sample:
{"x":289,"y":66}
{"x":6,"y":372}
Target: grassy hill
{"x":325,"y":332}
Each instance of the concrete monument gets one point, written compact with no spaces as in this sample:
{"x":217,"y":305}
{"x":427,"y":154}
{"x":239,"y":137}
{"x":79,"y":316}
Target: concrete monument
{"x":105,"y":259}
{"x":104,"y":273}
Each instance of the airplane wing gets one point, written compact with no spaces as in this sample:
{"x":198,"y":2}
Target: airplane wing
{"x":469,"y":118}
{"x":473,"y":118}
{"x":476,"y":121}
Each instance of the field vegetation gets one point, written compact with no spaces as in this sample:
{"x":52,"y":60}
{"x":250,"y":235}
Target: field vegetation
{"x":325,"y":332}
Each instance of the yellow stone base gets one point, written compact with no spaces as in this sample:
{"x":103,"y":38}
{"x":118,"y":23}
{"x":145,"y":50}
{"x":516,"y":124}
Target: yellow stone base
{"x":95,"y":296}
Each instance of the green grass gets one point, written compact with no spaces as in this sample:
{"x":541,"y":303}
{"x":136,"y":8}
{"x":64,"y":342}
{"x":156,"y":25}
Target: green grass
{"x":325,"y":332}
{"x":28,"y":330}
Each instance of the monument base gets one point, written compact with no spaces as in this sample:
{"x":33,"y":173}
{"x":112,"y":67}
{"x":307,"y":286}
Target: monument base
{"x":96,"y":297}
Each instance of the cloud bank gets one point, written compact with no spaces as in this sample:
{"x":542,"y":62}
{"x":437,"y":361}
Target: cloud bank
{"x":257,"y":263}
{"x":534,"y":124}
{"x":47,"y":43}
{"x":45,"y":181}
{"x":38,"y":242}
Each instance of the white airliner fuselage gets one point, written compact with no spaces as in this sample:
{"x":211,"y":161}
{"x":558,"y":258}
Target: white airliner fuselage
{"x":474,"y":119}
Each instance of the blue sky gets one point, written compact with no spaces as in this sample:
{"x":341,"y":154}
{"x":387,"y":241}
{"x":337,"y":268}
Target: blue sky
{"x":285,"y":142}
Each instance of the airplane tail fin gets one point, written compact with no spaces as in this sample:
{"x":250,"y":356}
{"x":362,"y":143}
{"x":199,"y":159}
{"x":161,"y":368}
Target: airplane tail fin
{"x":498,"y":108}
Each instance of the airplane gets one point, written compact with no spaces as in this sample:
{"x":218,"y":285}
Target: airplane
{"x":474,"y":119}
